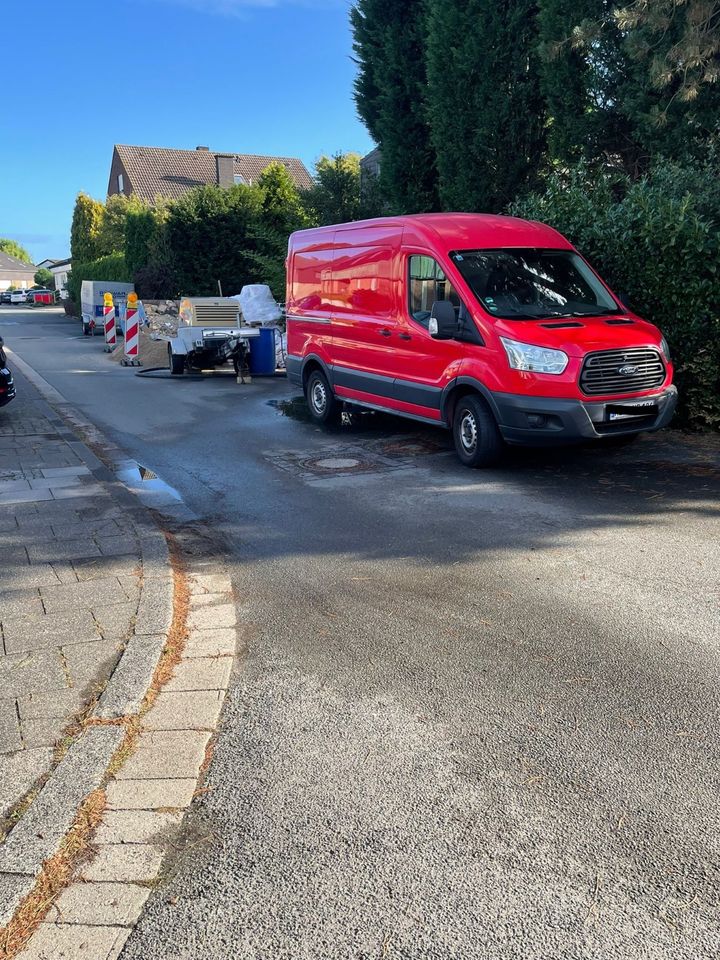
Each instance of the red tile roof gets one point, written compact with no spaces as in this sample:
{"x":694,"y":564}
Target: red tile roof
{"x":162,"y":172}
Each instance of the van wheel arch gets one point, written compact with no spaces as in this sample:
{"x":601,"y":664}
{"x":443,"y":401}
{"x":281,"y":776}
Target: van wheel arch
{"x":460,"y":388}
{"x":313,"y":362}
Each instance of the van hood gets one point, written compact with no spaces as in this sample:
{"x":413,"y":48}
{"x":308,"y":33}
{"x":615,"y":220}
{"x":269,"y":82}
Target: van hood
{"x":578,"y":336}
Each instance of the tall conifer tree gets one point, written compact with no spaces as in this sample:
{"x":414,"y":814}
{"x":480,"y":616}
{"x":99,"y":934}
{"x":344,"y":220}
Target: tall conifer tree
{"x":389,"y":44}
{"x":484,"y":100}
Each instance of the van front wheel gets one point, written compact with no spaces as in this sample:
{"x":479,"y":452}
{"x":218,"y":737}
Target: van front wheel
{"x":477,"y":439}
{"x":324,"y":408}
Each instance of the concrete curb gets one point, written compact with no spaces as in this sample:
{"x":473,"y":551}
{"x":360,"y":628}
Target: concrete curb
{"x":38,"y":833}
{"x":146,"y":798}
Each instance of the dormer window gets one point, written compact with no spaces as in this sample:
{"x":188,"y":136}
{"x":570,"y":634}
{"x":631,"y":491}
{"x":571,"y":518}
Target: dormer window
{"x":239,"y":178}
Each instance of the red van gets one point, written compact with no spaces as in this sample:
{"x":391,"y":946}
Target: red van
{"x":492,"y":326}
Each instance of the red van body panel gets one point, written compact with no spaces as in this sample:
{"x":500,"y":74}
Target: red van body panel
{"x":348,"y":307}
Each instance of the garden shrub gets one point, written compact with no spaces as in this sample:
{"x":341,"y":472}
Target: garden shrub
{"x":112,"y":267}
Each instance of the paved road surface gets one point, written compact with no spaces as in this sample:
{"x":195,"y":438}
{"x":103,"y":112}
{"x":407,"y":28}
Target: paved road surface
{"x":478,"y":712}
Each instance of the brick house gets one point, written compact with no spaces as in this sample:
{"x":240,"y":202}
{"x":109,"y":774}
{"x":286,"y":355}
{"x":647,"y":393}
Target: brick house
{"x":15,"y":273}
{"x":150,"y":172}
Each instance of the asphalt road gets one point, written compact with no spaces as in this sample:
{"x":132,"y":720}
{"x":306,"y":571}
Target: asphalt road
{"x":477,"y":716}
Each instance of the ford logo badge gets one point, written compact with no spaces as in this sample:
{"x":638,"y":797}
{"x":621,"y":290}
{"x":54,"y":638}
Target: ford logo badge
{"x":628,"y":369}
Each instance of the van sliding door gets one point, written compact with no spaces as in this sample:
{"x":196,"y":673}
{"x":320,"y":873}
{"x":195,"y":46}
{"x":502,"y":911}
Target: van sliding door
{"x":364,"y":322}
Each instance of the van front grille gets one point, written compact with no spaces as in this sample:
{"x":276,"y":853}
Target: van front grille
{"x":622,"y":371}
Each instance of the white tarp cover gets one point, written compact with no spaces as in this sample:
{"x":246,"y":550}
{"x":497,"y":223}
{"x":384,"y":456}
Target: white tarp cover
{"x":258,"y":305}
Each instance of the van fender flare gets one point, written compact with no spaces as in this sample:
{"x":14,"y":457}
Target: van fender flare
{"x":476,"y":385}
{"x":324,"y":366}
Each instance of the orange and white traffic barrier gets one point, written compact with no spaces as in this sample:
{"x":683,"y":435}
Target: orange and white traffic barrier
{"x":109,"y":323}
{"x":132,"y":333}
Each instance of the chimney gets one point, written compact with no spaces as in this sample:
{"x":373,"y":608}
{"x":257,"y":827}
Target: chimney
{"x":203,"y":148}
{"x":225,"y":163}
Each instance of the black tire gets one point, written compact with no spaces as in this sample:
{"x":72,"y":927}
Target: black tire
{"x":176,"y":362}
{"x":323,"y":406}
{"x":477,"y":439}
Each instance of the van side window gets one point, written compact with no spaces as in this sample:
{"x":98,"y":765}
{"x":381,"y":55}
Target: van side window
{"x":427,"y":284}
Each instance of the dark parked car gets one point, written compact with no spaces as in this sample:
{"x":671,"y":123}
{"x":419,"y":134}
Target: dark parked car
{"x":5,"y":296}
{"x":7,"y":386}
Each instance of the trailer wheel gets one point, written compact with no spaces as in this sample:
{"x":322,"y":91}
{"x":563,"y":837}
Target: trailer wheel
{"x":477,"y":439}
{"x":324,"y":407}
{"x":176,"y":362}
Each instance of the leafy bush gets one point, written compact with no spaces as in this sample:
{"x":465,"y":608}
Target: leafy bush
{"x":86,"y":222}
{"x":335,"y":196}
{"x":111,"y":236}
{"x":655,"y":240}
{"x":142,"y":229}
{"x":13,"y":248}
{"x":43,"y":278}
{"x":207,"y":234}
{"x":112,"y":267}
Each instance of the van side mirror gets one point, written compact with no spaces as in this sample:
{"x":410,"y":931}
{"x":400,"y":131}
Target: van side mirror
{"x":443,"y":324}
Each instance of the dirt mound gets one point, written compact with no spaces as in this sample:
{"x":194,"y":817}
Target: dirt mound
{"x":151,"y":353}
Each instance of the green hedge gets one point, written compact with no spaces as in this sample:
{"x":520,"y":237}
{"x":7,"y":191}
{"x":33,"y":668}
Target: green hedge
{"x":655,"y":240}
{"x":112,"y":267}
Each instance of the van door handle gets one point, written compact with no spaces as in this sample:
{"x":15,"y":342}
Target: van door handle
{"x":405,"y":336}
{"x":385,"y":332}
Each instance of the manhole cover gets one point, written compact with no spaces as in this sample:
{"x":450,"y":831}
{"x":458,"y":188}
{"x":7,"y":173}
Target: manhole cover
{"x":337,"y":463}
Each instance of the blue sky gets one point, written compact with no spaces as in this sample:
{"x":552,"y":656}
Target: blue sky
{"x":250,"y":76}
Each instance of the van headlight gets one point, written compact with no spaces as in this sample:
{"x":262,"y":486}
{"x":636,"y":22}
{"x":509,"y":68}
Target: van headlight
{"x":526,"y":356}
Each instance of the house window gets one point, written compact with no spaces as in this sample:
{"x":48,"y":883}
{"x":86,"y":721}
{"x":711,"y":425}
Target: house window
{"x":121,"y":184}
{"x":239,"y":178}
{"x":428,"y":283}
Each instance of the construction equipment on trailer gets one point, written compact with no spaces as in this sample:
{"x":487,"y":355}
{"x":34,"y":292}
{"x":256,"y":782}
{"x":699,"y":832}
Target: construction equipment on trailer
{"x":210,"y":332}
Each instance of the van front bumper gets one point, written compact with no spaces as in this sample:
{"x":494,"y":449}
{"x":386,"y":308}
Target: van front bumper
{"x":541,"y":421}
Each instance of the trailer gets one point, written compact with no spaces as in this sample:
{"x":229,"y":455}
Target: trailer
{"x":92,"y":299}
{"x":210,"y":332}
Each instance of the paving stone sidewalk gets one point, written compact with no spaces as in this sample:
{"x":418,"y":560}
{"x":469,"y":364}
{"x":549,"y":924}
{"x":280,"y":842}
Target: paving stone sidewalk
{"x":70,"y":565}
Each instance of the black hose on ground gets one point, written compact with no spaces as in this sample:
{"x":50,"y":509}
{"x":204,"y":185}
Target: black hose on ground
{"x":184,"y":376}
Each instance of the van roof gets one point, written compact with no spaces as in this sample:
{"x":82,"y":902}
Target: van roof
{"x":453,"y":231}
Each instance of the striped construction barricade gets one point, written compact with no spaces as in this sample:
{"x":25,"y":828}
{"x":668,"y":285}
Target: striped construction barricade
{"x":109,"y":324}
{"x":132,"y":333}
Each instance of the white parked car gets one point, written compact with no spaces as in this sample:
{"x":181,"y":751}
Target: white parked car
{"x":18,"y":296}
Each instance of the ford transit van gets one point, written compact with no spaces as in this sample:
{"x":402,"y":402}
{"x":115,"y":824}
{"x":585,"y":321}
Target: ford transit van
{"x":491,"y":326}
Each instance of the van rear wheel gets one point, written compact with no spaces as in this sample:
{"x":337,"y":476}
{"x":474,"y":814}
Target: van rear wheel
{"x":477,"y":439}
{"x":321,"y":401}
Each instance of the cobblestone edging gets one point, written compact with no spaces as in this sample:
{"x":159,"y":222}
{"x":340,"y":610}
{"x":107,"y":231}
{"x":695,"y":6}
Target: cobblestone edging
{"x":146,"y":794}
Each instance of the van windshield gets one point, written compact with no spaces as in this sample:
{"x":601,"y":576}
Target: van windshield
{"x":530,"y":283}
